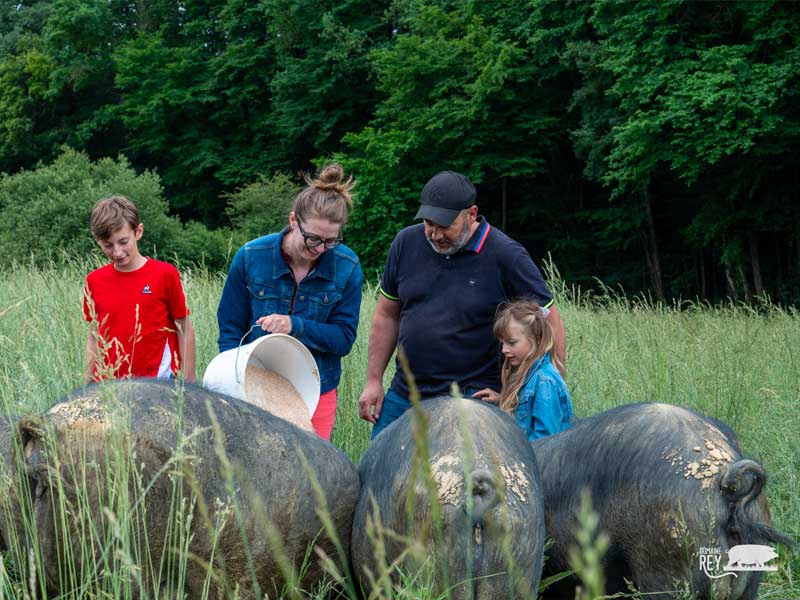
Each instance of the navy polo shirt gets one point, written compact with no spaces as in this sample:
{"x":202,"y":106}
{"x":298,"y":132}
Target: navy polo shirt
{"x":448,"y":305}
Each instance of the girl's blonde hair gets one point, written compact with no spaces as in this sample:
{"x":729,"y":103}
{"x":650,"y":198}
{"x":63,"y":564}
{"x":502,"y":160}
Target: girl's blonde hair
{"x":532,"y":318}
{"x":325,"y":197}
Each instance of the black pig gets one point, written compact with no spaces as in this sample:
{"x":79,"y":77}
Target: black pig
{"x":667,"y":483}
{"x":262,"y":495}
{"x":493,"y":553}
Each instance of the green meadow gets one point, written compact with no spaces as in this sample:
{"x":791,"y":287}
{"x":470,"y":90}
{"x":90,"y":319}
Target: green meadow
{"x":738,"y":363}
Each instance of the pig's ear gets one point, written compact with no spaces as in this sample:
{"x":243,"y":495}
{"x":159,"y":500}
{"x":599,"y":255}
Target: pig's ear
{"x":151,"y":452}
{"x":29,"y":428}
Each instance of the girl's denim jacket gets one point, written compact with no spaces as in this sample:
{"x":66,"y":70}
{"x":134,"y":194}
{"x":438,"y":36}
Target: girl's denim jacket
{"x":324,"y":306}
{"x":545,"y":406}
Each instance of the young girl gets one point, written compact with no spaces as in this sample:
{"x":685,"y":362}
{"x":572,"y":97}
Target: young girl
{"x":533,"y":390}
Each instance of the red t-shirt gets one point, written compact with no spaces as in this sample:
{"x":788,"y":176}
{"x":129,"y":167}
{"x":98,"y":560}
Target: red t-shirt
{"x":136,"y":313}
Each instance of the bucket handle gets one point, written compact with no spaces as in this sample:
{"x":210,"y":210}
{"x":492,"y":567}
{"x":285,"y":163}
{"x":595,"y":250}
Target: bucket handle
{"x":239,"y":347}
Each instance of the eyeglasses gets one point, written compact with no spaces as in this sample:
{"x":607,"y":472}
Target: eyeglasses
{"x":312,"y":241}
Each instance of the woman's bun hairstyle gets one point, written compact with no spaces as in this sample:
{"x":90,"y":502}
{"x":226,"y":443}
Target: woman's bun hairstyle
{"x":326,"y":196}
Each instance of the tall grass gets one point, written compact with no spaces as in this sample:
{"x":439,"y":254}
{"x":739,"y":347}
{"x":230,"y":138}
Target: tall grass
{"x":738,"y":363}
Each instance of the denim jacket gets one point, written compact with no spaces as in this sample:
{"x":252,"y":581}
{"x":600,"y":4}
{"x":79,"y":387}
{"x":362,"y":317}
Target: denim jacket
{"x":545,"y":406}
{"x":326,"y":304}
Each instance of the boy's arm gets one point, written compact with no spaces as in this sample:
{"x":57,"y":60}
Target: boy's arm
{"x":90,"y":355}
{"x":186,"y":343}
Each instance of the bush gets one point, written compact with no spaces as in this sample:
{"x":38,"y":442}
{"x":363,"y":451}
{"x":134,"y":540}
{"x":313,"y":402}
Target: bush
{"x":213,"y":249}
{"x":50,"y":207}
{"x":263,"y":206}
{"x":386,"y":199}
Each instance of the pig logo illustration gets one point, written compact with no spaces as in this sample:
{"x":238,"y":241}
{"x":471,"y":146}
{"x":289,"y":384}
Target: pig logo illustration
{"x":744,"y":557}
{"x":750,"y":557}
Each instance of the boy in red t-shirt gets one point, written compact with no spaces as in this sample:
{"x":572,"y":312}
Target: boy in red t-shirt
{"x":140,"y":321}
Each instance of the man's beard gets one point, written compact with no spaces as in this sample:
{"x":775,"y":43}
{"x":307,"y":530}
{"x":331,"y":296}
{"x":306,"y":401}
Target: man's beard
{"x":460,"y":242}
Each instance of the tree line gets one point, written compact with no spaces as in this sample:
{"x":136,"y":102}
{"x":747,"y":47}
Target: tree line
{"x":651,"y":145}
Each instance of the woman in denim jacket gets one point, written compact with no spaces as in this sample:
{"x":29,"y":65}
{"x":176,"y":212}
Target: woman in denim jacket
{"x":533,"y":390}
{"x":301,"y":281}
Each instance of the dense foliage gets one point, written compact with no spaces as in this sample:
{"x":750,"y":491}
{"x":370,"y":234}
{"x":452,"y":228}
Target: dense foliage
{"x":651,"y":144}
{"x":46,"y":212}
{"x":261,"y":207}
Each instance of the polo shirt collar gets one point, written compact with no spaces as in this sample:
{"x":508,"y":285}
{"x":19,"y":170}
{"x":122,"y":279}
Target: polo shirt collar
{"x":475,"y":243}
{"x":325,"y":267}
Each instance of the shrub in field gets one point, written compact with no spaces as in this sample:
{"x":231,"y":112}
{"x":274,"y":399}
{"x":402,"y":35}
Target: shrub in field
{"x":49,"y":208}
{"x":263,"y":206}
{"x":196,"y":244}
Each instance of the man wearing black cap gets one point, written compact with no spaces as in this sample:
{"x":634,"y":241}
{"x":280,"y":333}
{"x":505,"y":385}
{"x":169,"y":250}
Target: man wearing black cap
{"x":441,"y":286}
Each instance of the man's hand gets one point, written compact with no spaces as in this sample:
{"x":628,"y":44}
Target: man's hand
{"x":487,"y":395}
{"x":275,"y":323}
{"x":371,"y":402}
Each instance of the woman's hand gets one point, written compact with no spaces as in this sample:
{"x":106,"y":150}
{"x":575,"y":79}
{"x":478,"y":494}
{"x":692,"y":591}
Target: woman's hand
{"x":487,"y":395}
{"x":275,"y":323}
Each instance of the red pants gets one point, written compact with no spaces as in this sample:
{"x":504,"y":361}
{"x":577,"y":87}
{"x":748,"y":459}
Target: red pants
{"x":322,"y":419}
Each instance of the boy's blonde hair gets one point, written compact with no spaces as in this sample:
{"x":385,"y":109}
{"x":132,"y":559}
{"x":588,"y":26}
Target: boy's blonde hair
{"x":111,"y":214}
{"x":532,"y":318}
{"x":326,"y":197}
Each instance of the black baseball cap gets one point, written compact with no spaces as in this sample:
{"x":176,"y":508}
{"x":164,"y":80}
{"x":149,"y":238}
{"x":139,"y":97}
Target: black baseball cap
{"x":444,"y":196}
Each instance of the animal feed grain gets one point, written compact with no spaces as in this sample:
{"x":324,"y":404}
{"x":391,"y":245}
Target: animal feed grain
{"x":275,"y":394}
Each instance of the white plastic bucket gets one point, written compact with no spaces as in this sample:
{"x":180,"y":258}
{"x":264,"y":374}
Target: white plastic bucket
{"x":276,"y":352}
